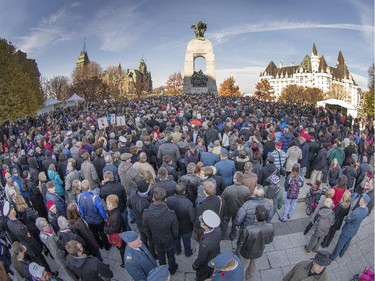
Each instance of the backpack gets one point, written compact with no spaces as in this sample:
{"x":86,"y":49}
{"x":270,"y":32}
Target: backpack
{"x":293,"y":188}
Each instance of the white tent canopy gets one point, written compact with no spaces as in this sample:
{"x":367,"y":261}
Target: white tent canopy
{"x":49,"y":105}
{"x":51,"y":101}
{"x":73,"y":100}
{"x":334,"y":102}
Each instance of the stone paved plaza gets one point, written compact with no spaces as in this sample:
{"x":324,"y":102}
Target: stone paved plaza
{"x":286,"y":250}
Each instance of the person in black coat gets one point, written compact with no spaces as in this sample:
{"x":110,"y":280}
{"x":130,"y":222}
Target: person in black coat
{"x":116,"y":188}
{"x":268,"y":147}
{"x":36,"y":196}
{"x":87,"y":268}
{"x":253,"y":239}
{"x":211,"y":202}
{"x":99,"y":163}
{"x":165,"y":182}
{"x":209,"y":244}
{"x":139,"y":201}
{"x":313,"y":151}
{"x":65,"y":234}
{"x":185,"y":213}
{"x":115,"y":224}
{"x":161,"y":227}
{"x":320,"y":165}
{"x":266,"y":172}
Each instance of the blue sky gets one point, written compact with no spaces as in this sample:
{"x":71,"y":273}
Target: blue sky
{"x":246,"y":35}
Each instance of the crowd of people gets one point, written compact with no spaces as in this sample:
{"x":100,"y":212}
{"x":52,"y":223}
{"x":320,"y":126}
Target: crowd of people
{"x":181,"y":168}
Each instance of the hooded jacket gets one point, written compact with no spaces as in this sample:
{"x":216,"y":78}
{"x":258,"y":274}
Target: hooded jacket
{"x":89,"y":268}
{"x":160,"y":225}
{"x":324,"y":221}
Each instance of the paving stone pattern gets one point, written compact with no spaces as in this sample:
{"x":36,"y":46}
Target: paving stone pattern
{"x":286,"y":250}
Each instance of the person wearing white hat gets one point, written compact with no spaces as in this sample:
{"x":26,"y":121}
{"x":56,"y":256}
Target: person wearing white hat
{"x":209,"y":245}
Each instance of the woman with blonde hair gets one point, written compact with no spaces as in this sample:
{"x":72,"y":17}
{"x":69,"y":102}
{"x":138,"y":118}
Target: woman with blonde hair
{"x":341,"y":211}
{"x":42,"y":185}
{"x":328,"y":194}
{"x":19,"y":262}
{"x":27,"y":215}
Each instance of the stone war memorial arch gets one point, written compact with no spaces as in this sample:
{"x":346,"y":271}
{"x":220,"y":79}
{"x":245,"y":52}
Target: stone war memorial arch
{"x":196,"y":82}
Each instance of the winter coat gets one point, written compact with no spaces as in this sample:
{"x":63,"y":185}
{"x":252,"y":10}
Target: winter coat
{"x":169,"y":185}
{"x":300,"y":273}
{"x":114,"y":223}
{"x":209,"y":158}
{"x":246,"y":214}
{"x":112,"y":168}
{"x":72,"y":176}
{"x":353,"y":221}
{"x":240,"y":163}
{"x":89,"y":173}
{"x":250,"y":180}
{"x":160,"y":225}
{"x":324,"y":220}
{"x":114,"y":188}
{"x":226,"y":169}
{"x":67,"y":235}
{"x":200,"y":193}
{"x":286,"y":140}
{"x":81,"y":228}
{"x":321,"y":162}
{"x":184,"y":210}
{"x":51,"y":242}
{"x":305,"y":155}
{"x":253,"y":239}
{"x":99,"y":164}
{"x":213,"y":203}
{"x":233,"y":198}
{"x":340,"y":214}
{"x":89,"y":268}
{"x":293,"y":155}
{"x":339,"y":154}
{"x":339,"y":192}
{"x":351,"y":173}
{"x":333,"y":176}
{"x":138,"y":202}
{"x":36,"y":198}
{"x":192,"y":182}
{"x":91,"y":208}
{"x":59,"y":202}
{"x":128,"y":177}
{"x":313,"y":150}
{"x":266,"y":172}
{"x":171,"y":149}
{"x":57,"y":181}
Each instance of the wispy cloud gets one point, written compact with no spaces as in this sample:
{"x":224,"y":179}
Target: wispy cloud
{"x":118,"y":27}
{"x":366,"y":16}
{"x":49,"y":31}
{"x":223,"y":35}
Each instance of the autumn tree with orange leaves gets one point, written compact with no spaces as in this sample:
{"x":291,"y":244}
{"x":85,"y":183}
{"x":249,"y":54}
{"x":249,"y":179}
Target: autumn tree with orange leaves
{"x":264,"y":91}
{"x":229,"y":89}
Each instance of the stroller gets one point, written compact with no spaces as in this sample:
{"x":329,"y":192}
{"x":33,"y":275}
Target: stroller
{"x":312,"y":198}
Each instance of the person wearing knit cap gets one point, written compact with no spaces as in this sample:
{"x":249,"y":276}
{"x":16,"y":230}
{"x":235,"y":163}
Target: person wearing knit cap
{"x":52,"y":215}
{"x":138,"y":259}
{"x":279,"y":157}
